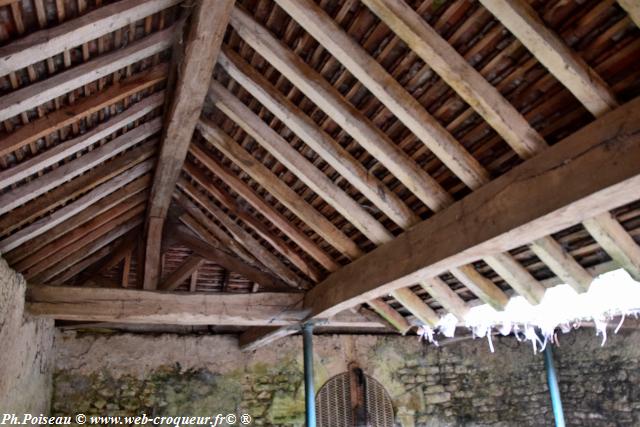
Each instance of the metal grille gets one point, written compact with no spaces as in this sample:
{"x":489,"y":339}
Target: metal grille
{"x":333,"y":403}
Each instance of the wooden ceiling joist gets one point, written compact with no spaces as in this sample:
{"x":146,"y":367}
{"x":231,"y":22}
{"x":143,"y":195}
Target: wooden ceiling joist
{"x":633,"y":9}
{"x":182,"y":273}
{"x":482,"y":231}
{"x":444,"y":295}
{"x":298,"y":165}
{"x":349,"y":118}
{"x":265,"y":209}
{"x":235,"y":209}
{"x":46,"y":43}
{"x":135,"y":306}
{"x":44,"y":224}
{"x":317,"y":139}
{"x":38,"y":93}
{"x":207,"y":28}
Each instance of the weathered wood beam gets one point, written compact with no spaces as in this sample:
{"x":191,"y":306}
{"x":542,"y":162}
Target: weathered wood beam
{"x":317,"y":139}
{"x":182,"y":273}
{"x":126,"y":270}
{"x":279,"y":189}
{"x":306,"y":171}
{"x":265,"y":209}
{"x":416,"y":306}
{"x":632,"y":7}
{"x":72,"y":189}
{"x":215,"y":255}
{"x":208,"y":24}
{"x":567,"y":66}
{"x":442,"y":293}
{"x":544,"y":195}
{"x":38,"y":93}
{"x":49,"y":42}
{"x":462,"y":77}
{"x":231,"y":204}
{"x":136,"y":306}
{"x":251,"y":244}
{"x":64,"y":173}
{"x":81,"y":221}
{"x":387,"y":312}
{"x":42,"y":225}
{"x":349,"y":118}
{"x":67,"y":115}
{"x":562,"y":264}
{"x":387,"y":89}
{"x":482,"y":287}
{"x":82,"y":265}
{"x":70,"y":147}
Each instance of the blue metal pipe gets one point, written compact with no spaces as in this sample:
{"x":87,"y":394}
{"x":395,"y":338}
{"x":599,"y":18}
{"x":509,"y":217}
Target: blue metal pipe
{"x":309,"y":389}
{"x":554,"y":389}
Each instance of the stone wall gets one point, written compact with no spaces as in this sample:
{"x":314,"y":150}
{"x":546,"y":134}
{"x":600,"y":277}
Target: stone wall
{"x":26,"y":351}
{"x":462,"y":384}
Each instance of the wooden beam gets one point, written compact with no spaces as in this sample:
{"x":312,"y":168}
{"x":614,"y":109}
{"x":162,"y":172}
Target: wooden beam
{"x":182,"y":273}
{"x":544,"y":195}
{"x":571,"y":70}
{"x":44,"y":224}
{"x":135,"y":306}
{"x":207,"y":28}
{"x":34,"y":188}
{"x":416,"y":306}
{"x":231,"y":204}
{"x":349,"y":118}
{"x":70,"y":147}
{"x":82,"y":265}
{"x":229,"y":262}
{"x":126,"y":270}
{"x":482,"y":287}
{"x":633,"y":9}
{"x":317,"y":139}
{"x":49,"y":42}
{"x":449,"y":300}
{"x":279,"y":189}
{"x":562,"y":264}
{"x":73,"y":189}
{"x":385,"y":311}
{"x":193,"y":281}
{"x":268,"y":211}
{"x":306,"y":171}
{"x":38,"y":93}
{"x":129,"y":191}
{"x":387,"y":89}
{"x":615,"y":240}
{"x":462,"y":77}
{"x":251,"y":244}
{"x":67,"y":115}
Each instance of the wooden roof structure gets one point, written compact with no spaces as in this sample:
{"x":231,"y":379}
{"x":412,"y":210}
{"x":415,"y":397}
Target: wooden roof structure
{"x":367,"y":163}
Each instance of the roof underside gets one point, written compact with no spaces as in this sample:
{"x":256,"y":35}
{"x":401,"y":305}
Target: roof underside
{"x":76,"y":177}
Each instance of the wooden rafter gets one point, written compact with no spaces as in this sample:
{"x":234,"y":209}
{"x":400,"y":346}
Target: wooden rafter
{"x":207,"y":28}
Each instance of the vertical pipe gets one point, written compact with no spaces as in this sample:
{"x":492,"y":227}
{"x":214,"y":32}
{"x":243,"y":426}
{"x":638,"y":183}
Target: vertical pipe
{"x":309,"y":390}
{"x":554,"y":390}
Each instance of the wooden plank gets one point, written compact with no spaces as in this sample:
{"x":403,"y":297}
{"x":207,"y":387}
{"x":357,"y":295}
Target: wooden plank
{"x":82,"y":266}
{"x":416,"y":306}
{"x":462,"y":77}
{"x":126,"y":270}
{"x":562,"y":264}
{"x":182,"y":273}
{"x":134,"y":189}
{"x":44,"y":224}
{"x":387,"y":89}
{"x":516,"y":276}
{"x":632,"y":7}
{"x":193,"y":281}
{"x":245,"y":239}
{"x":38,"y":93}
{"x":449,"y":300}
{"x":385,"y":311}
{"x":231,"y":204}
{"x":208,"y":24}
{"x":268,"y":211}
{"x":482,"y":287}
{"x":70,"y":190}
{"x":306,"y":171}
{"x":91,"y":247}
{"x":573,"y":72}
{"x":317,"y":139}
{"x":49,"y":42}
{"x":75,"y":145}
{"x":231,"y":263}
{"x":349,"y":118}
{"x":135,"y":306}
{"x":73,"y":247}
{"x":524,"y":191}
{"x":65,"y":116}
{"x":615,"y":240}
{"x":279,"y":189}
